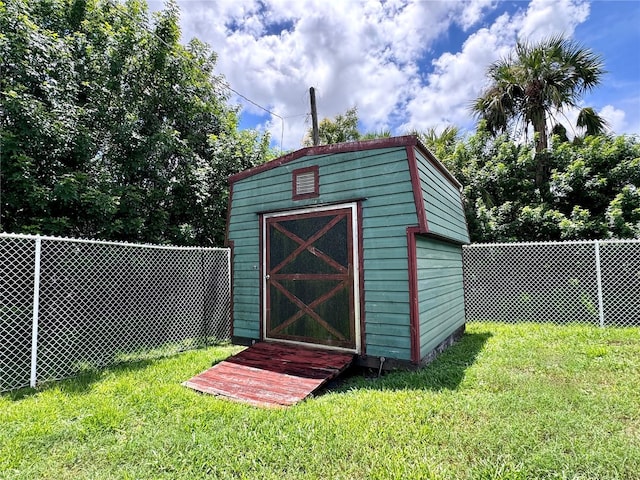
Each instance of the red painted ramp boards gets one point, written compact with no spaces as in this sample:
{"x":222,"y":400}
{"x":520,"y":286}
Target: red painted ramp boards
{"x":271,"y":374}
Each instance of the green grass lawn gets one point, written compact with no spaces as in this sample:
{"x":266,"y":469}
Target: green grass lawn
{"x":512,"y":402}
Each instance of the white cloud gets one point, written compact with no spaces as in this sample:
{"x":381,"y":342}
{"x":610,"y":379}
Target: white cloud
{"x":355,"y":53}
{"x":617,"y":121}
{"x":473,"y":11}
{"x":615,"y":118}
{"x":459,"y":78}
{"x":369,"y":53}
{"x":550,"y":17}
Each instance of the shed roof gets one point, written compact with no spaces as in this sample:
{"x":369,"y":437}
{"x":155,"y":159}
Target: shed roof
{"x":436,"y":192}
{"x":319,"y":150}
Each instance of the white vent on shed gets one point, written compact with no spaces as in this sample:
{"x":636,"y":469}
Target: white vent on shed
{"x":305,"y":182}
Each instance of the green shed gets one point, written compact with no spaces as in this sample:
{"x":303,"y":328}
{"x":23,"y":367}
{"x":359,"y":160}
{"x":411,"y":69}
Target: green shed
{"x":354,"y":247}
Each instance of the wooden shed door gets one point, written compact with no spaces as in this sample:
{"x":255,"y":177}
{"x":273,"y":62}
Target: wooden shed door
{"x":310,"y":281}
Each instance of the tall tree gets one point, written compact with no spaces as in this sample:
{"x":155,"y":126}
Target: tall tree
{"x":441,"y":143}
{"x":343,"y":128}
{"x":534,"y":83}
{"x":593,"y":194}
{"x":111,"y":128}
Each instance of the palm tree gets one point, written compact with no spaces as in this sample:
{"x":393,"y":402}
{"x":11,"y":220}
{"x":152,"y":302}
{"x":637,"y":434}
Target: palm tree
{"x":382,"y":133}
{"x":536,"y":81}
{"x":442,"y":143}
{"x":593,"y":123}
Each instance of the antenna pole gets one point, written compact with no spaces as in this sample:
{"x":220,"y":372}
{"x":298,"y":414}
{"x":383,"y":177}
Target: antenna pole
{"x":314,"y":117}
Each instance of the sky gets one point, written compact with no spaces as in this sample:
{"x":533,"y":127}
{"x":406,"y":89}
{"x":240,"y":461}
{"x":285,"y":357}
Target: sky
{"x":405,"y":64}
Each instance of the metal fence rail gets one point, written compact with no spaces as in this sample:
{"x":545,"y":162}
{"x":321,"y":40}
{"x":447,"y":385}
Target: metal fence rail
{"x":595,"y":282}
{"x":69,"y":304}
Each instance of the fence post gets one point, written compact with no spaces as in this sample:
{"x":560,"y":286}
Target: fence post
{"x":36,"y":307}
{"x":229,"y":284}
{"x":206,"y":321}
{"x":599,"y":283}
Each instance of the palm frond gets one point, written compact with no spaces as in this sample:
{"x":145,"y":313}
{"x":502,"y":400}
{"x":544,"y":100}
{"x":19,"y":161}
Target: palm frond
{"x":593,"y":123}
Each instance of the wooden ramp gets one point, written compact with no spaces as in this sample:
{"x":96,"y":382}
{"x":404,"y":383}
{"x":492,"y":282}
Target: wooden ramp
{"x":271,"y":374}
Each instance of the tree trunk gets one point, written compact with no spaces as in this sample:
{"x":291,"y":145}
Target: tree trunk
{"x":540,"y":130}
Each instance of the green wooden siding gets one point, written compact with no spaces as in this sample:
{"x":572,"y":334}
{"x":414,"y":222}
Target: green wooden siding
{"x":382,"y":177}
{"x":442,"y":201}
{"x":440,"y":291}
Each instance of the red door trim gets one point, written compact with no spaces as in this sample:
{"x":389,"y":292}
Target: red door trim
{"x":352,"y":212}
{"x":363,"y":343}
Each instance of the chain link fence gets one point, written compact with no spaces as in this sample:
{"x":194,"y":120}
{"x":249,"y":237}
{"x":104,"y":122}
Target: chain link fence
{"x":67,"y":305}
{"x":595,"y":282}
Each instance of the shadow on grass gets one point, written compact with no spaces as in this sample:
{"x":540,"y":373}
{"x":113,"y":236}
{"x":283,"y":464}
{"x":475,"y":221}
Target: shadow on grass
{"x":446,"y":372}
{"x":80,"y":383}
{"x":88,"y":375}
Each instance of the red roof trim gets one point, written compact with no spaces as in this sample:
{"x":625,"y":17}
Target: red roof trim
{"x":377,"y":143}
{"x":390,"y":142}
{"x":416,"y":186}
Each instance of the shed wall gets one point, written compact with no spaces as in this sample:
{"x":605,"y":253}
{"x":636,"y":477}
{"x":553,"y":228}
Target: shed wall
{"x":443,"y":202}
{"x":380,"y":177}
{"x":440,"y":291}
